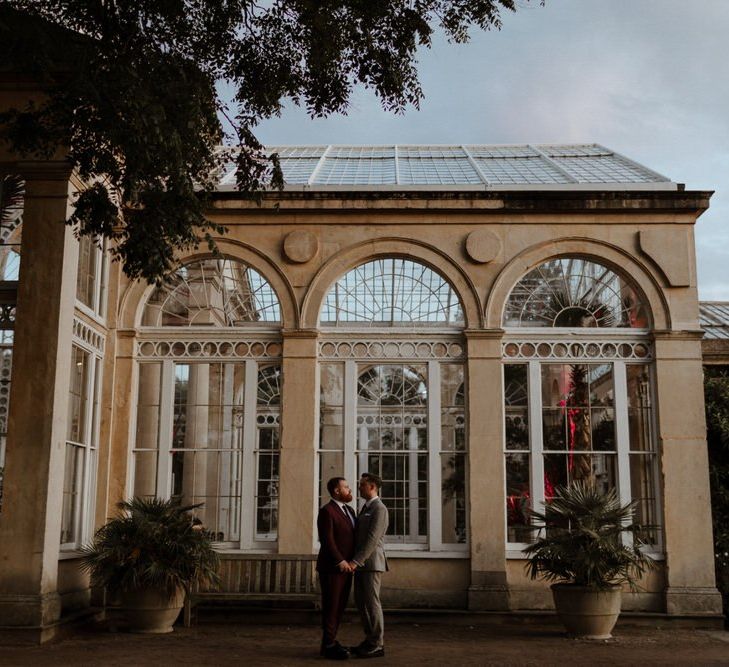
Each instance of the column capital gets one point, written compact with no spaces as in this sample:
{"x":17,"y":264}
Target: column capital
{"x":305,"y":334}
{"x":483,"y":334}
{"x":38,"y":170}
{"x":685,"y":334}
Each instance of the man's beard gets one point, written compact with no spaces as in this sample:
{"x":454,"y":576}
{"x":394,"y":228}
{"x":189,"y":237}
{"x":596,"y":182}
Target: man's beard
{"x":347,"y":498}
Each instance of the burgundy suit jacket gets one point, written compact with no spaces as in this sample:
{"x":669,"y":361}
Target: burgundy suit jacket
{"x":336,"y":536}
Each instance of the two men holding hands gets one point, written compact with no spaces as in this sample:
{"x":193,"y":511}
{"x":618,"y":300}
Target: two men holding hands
{"x":352,"y":546}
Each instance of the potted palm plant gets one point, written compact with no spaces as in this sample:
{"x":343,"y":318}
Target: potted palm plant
{"x":583,"y":553}
{"x":150,"y":554}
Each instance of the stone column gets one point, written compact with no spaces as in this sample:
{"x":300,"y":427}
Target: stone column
{"x":488,"y":588}
{"x":299,"y":440}
{"x":30,"y":523}
{"x":691,"y":587}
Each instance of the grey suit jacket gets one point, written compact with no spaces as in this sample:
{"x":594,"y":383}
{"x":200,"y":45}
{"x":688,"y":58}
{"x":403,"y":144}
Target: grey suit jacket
{"x":369,"y":537}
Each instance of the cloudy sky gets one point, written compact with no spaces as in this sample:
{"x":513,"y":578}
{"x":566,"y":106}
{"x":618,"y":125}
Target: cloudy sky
{"x":647,"y":78}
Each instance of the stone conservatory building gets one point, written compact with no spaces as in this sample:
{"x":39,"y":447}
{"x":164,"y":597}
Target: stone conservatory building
{"x":475,"y":324}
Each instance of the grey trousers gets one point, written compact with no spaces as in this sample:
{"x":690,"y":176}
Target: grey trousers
{"x":367,"y":598}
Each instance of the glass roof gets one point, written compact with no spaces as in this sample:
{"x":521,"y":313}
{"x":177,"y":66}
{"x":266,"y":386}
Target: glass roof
{"x":453,"y":167}
{"x":714,"y":318}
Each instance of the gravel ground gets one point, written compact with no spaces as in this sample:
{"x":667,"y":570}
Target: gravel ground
{"x":407,"y":644}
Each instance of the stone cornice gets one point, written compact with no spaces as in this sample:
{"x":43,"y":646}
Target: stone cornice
{"x":686,"y":334}
{"x":519,"y":202}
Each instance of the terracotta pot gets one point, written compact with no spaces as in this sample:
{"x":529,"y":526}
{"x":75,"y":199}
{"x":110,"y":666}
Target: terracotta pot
{"x":151,"y":610}
{"x":587,"y":612}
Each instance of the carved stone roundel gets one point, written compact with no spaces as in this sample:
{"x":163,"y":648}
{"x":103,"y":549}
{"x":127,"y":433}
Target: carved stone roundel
{"x":300,"y":246}
{"x":483,"y":246}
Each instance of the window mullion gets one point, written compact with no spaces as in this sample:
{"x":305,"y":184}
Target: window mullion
{"x":248,"y":481}
{"x":350,"y":424}
{"x":535,"y":435}
{"x":435,"y":532}
{"x":85,"y":501}
{"x":166,"y":428}
{"x":622,"y":438}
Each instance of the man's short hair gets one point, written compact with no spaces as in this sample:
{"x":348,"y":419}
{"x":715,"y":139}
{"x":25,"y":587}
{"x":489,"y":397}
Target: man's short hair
{"x":333,"y":483}
{"x":371,"y":478}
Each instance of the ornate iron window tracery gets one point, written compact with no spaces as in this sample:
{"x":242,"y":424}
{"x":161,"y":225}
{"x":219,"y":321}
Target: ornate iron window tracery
{"x":392,"y":292}
{"x":574,"y":292}
{"x":213,"y":292}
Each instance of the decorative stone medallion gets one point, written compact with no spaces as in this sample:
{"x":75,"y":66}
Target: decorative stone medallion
{"x":300,"y":246}
{"x":483,"y":246}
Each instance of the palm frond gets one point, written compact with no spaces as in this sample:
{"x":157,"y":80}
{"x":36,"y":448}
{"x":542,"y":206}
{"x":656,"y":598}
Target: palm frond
{"x":583,"y":539}
{"x":12,"y":194}
{"x":151,"y":543}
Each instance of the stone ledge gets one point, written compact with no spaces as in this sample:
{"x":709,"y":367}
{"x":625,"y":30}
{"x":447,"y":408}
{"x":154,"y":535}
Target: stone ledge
{"x":65,"y":627}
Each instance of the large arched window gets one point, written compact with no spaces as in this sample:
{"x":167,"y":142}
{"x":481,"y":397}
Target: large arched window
{"x":209,"y":399}
{"x":575,"y":292}
{"x":217,"y":292}
{"x":392,"y":402}
{"x":392,"y":292}
{"x":577,"y":396}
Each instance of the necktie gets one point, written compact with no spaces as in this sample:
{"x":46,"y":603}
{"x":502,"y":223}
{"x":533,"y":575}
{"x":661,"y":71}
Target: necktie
{"x":348,"y":515}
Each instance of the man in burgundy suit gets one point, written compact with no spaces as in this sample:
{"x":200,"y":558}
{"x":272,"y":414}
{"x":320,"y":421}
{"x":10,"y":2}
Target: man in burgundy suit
{"x":336,"y":535}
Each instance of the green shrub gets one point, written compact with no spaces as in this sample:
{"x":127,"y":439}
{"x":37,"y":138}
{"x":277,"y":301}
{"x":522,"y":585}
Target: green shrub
{"x":716,"y":393}
{"x":152,"y":543}
{"x":582,"y":542}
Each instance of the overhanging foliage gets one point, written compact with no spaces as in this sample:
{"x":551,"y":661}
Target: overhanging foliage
{"x":716,"y":393}
{"x":132,"y":94}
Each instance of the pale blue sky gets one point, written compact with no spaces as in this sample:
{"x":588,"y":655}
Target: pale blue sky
{"x":647,"y":78}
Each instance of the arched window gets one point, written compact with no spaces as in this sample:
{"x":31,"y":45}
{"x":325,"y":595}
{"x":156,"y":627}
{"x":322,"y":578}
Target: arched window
{"x":575,"y":292}
{"x":392,"y":292}
{"x":209,"y":399}
{"x":217,"y":292}
{"x":577,"y":393}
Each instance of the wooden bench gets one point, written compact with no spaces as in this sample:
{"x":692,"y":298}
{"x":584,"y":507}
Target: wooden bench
{"x":259,"y":578}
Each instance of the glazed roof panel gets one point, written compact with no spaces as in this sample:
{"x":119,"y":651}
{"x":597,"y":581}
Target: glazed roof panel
{"x":453,"y":167}
{"x":714,"y":319}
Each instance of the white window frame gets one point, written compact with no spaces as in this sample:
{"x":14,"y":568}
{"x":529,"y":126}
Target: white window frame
{"x":97,"y":309}
{"x":344,"y":351}
{"x":622,"y":434}
{"x":83,"y":521}
{"x":248,"y":541}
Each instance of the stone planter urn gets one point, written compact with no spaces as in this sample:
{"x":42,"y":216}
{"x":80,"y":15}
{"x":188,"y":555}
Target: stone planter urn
{"x":585,"y":611}
{"x":152,"y":611}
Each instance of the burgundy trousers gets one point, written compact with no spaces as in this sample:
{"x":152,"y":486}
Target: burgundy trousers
{"x":335,"y":588}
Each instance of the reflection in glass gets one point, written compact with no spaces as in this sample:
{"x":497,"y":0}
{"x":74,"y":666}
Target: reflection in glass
{"x":562,"y":469}
{"x":72,"y":494}
{"x":391,"y":292}
{"x":453,"y":510}
{"x":145,"y":474}
{"x":575,"y":292}
{"x":643,"y":492}
{"x":392,"y":442}
{"x":518,"y":498}
{"x":576,"y":419}
{"x":213,"y":293}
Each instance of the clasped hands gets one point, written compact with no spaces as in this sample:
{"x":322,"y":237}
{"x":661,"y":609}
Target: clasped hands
{"x":347,"y":568}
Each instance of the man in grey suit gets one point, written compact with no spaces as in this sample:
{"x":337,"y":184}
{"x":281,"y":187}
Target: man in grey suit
{"x":369,"y":563}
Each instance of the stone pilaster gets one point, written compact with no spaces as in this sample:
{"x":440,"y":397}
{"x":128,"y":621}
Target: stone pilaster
{"x":691,"y":587}
{"x":488,"y":589}
{"x":30,"y":523}
{"x":299,"y":439}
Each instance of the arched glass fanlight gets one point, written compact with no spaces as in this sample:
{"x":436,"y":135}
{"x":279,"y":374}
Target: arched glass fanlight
{"x":575,"y":292}
{"x":218,"y":292}
{"x":392,"y":292}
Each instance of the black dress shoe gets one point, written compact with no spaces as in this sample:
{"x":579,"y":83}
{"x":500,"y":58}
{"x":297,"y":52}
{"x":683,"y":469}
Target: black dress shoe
{"x":335,"y":652}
